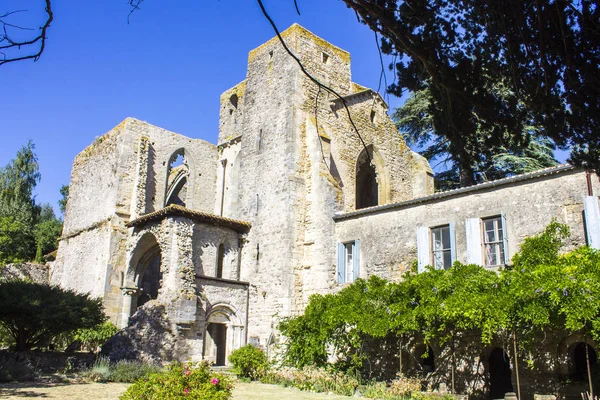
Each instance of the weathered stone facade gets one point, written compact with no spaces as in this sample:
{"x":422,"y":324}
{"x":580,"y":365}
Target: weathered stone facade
{"x":223,"y":241}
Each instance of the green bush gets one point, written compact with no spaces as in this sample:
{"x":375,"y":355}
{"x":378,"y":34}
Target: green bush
{"x":33,"y":314}
{"x":100,"y":371}
{"x":92,"y":338}
{"x":130,"y":371}
{"x":178,"y":381}
{"x":249,"y":362}
{"x":314,"y":379}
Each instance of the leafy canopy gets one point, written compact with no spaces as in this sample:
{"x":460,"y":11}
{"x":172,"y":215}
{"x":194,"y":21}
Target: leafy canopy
{"x":543,"y":54}
{"x":33,"y":314}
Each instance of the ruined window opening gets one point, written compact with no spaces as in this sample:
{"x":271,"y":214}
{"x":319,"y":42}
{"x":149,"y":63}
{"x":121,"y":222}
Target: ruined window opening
{"x":578,"y":362}
{"x":325,"y":58}
{"x":373,"y":117}
{"x":271,"y":55}
{"x":500,"y":374}
{"x":150,"y":280}
{"x":367,"y":187}
{"x":260,"y":139}
{"x":177,"y":179}
{"x":234,"y":100}
{"x":220,"y":259}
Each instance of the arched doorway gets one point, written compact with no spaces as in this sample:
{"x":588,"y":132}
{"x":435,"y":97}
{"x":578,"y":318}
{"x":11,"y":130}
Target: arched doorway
{"x":578,"y":361}
{"x":425,"y":357}
{"x":224,"y":333}
{"x":500,"y":374}
{"x":150,"y":276}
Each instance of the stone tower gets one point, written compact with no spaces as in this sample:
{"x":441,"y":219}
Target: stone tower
{"x":290,"y":155}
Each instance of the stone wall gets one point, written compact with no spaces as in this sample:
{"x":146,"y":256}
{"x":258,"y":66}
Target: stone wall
{"x":389,"y":235}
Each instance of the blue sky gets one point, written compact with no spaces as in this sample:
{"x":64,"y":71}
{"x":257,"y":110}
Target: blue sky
{"x":168,"y":66}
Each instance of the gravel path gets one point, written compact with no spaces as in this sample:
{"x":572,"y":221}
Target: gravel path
{"x":111,"y":391}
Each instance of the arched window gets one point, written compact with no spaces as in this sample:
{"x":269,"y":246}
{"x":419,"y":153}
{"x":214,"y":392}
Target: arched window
{"x":147,"y":270}
{"x":578,"y":360}
{"x":367,"y":186}
{"x":177,"y":179}
{"x":220,"y":258}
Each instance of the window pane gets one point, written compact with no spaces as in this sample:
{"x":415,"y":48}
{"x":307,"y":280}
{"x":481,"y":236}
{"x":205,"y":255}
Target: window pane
{"x":445,"y":236}
{"x":349,"y":263}
{"x":436,"y":239}
{"x":447,"y":259}
{"x":490,"y":254}
{"x":438,"y":261}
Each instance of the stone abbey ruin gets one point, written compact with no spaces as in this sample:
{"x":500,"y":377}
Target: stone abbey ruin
{"x":198,"y":249}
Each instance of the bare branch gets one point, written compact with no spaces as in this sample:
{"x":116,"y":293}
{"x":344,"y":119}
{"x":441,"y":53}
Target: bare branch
{"x":8,"y":46}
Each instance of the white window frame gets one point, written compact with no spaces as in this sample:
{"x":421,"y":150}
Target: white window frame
{"x":439,"y":254}
{"x":499,"y":245}
{"x":425,"y":253}
{"x":348,"y":264}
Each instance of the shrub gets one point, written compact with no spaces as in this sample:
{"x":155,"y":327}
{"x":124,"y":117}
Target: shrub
{"x":100,"y":371}
{"x":249,"y":362}
{"x":130,"y":371}
{"x":314,"y":379}
{"x":92,"y":338}
{"x":178,"y":381}
{"x":33,"y":314}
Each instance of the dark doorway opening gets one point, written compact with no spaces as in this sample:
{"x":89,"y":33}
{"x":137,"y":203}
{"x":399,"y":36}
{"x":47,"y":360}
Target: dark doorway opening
{"x":150,"y":279}
{"x":218,"y":333}
{"x":425,"y":357}
{"x":500,"y":374}
{"x":579,"y":362}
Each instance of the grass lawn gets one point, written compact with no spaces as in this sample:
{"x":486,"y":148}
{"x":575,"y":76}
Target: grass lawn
{"x":111,"y":391}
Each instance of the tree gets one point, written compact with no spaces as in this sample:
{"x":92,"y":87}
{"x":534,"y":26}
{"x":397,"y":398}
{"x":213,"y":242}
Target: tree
{"x":546,"y":53}
{"x":33,"y":314}
{"x":416,"y":125}
{"x":62,"y":203}
{"x":18,"y":211}
{"x":46,"y":232}
{"x":18,"y":43}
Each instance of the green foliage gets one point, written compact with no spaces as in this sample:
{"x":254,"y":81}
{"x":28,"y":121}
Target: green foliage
{"x":543,"y":290}
{"x":46,"y":232}
{"x":131,"y":371}
{"x":100,"y":371}
{"x":27,"y":230}
{"x":125,"y":371}
{"x":496,"y":72}
{"x":415,"y":122}
{"x":314,"y":379}
{"x":178,"y":381}
{"x":33,"y":313}
{"x":92,"y":338}
{"x":62,"y":203}
{"x":249,"y":362}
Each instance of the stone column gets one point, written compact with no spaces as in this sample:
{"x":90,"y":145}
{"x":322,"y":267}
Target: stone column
{"x":129,"y":295}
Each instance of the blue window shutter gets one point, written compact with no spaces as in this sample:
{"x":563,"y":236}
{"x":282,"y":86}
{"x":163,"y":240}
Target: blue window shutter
{"x":474,"y":245}
{"x":341,"y":255}
{"x":452,"y":242}
{"x":423,"y":248}
{"x":505,"y":238}
{"x":592,"y":221}
{"x":356,"y":258}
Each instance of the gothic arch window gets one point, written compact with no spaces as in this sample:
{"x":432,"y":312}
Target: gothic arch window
{"x":578,"y":360}
{"x":220,"y":259}
{"x":147,"y":269}
{"x":372,"y":179}
{"x":425,"y":357}
{"x":178,"y":173}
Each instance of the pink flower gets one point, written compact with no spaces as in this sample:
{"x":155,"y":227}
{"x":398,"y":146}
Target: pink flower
{"x":187,"y":373}
{"x":214,"y":381}
{"x":186,"y":391}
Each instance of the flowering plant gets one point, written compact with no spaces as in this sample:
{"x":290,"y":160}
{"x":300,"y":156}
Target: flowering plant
{"x":181,"y":381}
